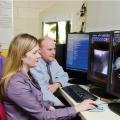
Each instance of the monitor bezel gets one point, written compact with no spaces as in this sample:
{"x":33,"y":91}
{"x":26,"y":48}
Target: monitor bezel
{"x":102,"y":79}
{"x":109,"y":85}
{"x":70,"y":68}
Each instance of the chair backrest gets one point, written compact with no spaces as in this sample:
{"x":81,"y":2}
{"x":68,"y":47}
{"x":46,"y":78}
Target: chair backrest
{"x":2,"y":60}
{"x":2,"y":112}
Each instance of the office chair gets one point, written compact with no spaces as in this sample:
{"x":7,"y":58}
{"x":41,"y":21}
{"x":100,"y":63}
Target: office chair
{"x":2,"y":112}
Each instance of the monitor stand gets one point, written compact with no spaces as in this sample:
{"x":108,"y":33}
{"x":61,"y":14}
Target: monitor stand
{"x":100,"y":92}
{"x":114,"y":107}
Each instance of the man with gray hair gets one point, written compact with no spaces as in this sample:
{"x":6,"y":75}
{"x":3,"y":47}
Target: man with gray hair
{"x":48,"y":72}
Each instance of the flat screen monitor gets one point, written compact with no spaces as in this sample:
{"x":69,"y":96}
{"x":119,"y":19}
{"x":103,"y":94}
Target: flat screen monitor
{"x":114,"y":81}
{"x":77,"y":51}
{"x":99,"y":56}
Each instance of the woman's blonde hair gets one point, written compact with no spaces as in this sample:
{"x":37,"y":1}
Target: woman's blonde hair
{"x":20,"y":45}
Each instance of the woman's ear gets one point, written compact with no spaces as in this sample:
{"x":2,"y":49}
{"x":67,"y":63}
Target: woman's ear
{"x":23,"y":57}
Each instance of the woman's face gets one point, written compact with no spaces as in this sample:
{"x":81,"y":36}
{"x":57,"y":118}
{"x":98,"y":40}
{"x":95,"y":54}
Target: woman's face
{"x":31,"y":58}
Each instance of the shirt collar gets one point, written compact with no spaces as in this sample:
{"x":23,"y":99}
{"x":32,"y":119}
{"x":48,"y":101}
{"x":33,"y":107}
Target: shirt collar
{"x":44,"y":62}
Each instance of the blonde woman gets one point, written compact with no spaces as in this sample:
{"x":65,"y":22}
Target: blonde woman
{"x":21,"y":93}
{"x":2,"y":59}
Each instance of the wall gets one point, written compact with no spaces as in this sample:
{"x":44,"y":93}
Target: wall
{"x":64,"y":10}
{"x":103,"y":15}
{"x":27,"y":17}
{"x":6,"y":22}
{"x":25,"y":22}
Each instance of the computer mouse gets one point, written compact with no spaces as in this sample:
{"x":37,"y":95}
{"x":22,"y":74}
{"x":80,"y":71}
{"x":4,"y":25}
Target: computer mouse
{"x":100,"y":108}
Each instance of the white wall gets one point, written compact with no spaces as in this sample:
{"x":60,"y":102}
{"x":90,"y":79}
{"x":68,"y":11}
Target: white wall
{"x":103,"y":15}
{"x":27,"y":17}
{"x":64,"y":10}
{"x":26,"y":20}
{"x":6,"y":22}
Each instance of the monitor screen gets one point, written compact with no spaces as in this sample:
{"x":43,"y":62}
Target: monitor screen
{"x":113,"y":86}
{"x":114,"y":81}
{"x":99,"y":54}
{"x":77,"y":51}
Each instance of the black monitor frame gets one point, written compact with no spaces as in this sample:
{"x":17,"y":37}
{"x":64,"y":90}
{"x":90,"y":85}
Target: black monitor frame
{"x":96,"y":75}
{"x":70,"y":68}
{"x":113,"y":84}
{"x":98,"y":78}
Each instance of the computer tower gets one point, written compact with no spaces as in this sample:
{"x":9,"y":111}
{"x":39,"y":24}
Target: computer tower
{"x":60,"y":54}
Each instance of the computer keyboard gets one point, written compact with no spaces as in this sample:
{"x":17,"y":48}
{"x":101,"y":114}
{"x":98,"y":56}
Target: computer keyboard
{"x":78,"y":93}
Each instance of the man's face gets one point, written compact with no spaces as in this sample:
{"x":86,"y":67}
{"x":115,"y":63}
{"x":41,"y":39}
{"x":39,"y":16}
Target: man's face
{"x":47,"y":50}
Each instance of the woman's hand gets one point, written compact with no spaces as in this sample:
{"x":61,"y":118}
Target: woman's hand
{"x":85,"y":105}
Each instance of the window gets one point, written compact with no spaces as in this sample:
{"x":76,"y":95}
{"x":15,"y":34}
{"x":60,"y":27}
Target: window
{"x":50,"y":29}
{"x":57,"y":30}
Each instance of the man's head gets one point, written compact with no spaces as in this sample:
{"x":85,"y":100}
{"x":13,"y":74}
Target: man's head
{"x":47,"y":48}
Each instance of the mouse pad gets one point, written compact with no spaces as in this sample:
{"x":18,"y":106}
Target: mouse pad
{"x":100,"y":108}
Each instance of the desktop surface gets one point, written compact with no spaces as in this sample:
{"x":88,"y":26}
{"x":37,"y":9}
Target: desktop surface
{"x":87,"y":115}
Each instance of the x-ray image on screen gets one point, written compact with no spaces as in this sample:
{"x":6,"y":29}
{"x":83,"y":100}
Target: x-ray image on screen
{"x":100,"y":61}
{"x":117,"y":63}
{"x":116,"y":56}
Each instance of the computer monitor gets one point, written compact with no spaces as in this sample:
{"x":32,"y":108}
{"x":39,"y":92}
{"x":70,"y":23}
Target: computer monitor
{"x":98,"y":65}
{"x":77,"y":51}
{"x":113,"y":86}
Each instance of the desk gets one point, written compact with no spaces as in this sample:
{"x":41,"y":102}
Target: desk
{"x":86,"y":115}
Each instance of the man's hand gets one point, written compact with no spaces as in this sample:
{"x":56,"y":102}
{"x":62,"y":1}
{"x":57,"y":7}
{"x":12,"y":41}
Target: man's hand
{"x":53,"y":87}
{"x":51,"y":108}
